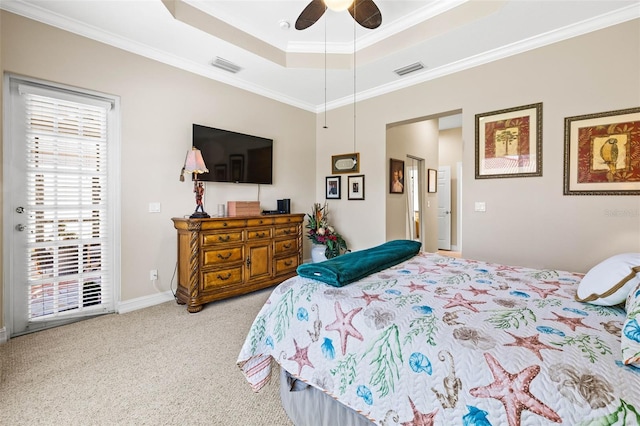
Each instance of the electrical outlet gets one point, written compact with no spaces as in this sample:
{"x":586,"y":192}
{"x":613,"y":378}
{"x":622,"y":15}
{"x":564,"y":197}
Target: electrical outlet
{"x":153,"y":274}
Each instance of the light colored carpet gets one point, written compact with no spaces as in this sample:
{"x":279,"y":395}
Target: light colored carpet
{"x":155,"y":366}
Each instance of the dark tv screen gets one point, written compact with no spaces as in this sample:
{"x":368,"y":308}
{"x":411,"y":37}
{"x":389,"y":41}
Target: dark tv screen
{"x":234,"y":157}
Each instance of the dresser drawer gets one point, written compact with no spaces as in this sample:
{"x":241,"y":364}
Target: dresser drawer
{"x":221,"y":237}
{"x":287,"y":264}
{"x":257,"y":234}
{"x":217,"y":256}
{"x":221,"y":278}
{"x":280,"y":220}
{"x":263,"y":221}
{"x":284,"y":231}
{"x":283,"y":246}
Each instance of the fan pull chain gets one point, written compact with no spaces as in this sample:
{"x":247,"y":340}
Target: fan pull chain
{"x":325,"y":74}
{"x":355,"y":13}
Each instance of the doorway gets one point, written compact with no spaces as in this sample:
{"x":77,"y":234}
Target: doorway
{"x":438,"y":141}
{"x":414,"y":170}
{"x":60,"y":175}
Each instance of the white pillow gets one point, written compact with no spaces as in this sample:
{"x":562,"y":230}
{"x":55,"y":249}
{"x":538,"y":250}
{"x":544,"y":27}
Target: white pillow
{"x":610,"y":281}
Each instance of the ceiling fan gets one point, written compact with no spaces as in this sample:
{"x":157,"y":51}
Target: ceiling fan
{"x":365,"y":12}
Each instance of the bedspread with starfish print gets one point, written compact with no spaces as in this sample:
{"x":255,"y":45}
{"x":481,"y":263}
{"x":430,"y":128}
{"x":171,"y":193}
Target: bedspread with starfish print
{"x":446,"y":341}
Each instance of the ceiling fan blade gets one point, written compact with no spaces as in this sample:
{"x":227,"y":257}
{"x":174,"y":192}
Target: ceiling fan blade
{"x":310,"y":14}
{"x":366,"y":13}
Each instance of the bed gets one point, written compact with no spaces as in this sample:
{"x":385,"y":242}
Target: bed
{"x":444,"y":341}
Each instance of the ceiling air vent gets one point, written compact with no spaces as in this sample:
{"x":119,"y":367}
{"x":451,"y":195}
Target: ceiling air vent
{"x":409,"y":69}
{"x":225,"y":65}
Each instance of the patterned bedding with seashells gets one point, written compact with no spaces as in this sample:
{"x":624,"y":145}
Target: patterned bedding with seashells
{"x":448,"y":341}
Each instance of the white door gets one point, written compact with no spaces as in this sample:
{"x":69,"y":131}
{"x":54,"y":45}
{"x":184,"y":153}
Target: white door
{"x":59,"y":227}
{"x":444,"y":208}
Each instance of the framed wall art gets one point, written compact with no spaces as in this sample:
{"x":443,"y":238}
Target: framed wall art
{"x":333,"y":187}
{"x":432,"y":180}
{"x":345,"y":163}
{"x":509,"y":142}
{"x":396,"y":176}
{"x":356,"y":187}
{"x":602,"y":153}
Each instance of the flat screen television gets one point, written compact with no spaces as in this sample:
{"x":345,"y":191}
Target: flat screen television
{"x":234,"y":157}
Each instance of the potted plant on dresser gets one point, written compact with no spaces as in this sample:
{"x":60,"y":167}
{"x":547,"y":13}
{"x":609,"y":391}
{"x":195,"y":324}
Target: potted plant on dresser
{"x":327,"y":243}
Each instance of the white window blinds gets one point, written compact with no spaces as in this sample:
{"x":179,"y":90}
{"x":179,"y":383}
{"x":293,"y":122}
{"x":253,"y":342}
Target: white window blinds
{"x":68,"y":270}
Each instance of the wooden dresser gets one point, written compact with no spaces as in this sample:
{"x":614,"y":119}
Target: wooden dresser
{"x":228,"y":256}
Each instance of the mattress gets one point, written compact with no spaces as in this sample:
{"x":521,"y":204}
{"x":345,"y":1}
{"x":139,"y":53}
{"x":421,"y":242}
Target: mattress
{"x":446,"y":341}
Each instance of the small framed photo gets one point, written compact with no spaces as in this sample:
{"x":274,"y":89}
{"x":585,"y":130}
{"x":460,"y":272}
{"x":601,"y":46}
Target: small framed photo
{"x":356,"y":187}
{"x":432,"y":180}
{"x":396,"y":176}
{"x":509,"y":142}
{"x":345,"y":163}
{"x":333,"y":187}
{"x":602,"y":153}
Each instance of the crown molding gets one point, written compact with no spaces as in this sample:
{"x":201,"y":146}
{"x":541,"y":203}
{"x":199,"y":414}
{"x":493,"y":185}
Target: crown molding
{"x":603,"y":21}
{"x":39,"y":14}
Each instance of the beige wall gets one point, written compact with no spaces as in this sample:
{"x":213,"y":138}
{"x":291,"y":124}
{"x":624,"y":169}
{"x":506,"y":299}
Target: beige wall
{"x":159,"y":103}
{"x":528,"y":220}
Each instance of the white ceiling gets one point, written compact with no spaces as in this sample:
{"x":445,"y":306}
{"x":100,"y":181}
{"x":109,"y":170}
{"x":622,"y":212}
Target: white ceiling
{"x":291,"y":66}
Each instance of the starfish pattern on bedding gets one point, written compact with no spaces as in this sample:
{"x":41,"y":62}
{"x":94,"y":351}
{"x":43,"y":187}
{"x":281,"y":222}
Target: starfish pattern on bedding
{"x":506,"y":268}
{"x":512,"y":390}
{"x":544,"y":292}
{"x":301,"y":357}
{"x":413,"y":287}
{"x":370,"y":298}
{"x":478,"y":292}
{"x":420,"y":419}
{"x":343,"y":325}
{"x":459,"y":300}
{"x":532,"y":343}
{"x":570,"y":322}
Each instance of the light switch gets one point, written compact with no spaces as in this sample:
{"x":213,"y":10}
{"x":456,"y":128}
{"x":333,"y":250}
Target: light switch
{"x":481,"y":206}
{"x":154,"y":207}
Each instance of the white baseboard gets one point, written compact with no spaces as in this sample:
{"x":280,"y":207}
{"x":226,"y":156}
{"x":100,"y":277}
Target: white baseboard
{"x":3,"y":335}
{"x":454,"y":248}
{"x":144,"y":302}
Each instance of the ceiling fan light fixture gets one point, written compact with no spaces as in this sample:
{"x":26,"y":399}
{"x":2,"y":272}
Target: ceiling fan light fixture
{"x":338,"y":5}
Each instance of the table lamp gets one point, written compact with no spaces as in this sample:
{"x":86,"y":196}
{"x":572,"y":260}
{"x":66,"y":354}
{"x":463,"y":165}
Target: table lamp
{"x":194,"y":163}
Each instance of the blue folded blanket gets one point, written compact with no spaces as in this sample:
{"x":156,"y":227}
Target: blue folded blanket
{"x":350,"y":267}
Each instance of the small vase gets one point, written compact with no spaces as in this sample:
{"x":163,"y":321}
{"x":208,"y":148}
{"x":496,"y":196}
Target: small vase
{"x":317,"y":253}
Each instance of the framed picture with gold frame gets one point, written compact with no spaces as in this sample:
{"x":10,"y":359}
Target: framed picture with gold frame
{"x":509,"y":142}
{"x":602,"y":153}
{"x":432,"y":180}
{"x":345,"y":163}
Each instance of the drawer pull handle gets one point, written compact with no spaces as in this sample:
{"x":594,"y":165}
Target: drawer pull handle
{"x":287,"y":246}
{"x":224,"y":224}
{"x":221,"y":278}
{"x":287,"y":231}
{"x":261,"y":235}
{"x":224,"y":257}
{"x":224,"y":239}
{"x":288,"y":263}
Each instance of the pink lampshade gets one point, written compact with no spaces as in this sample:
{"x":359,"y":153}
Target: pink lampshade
{"x":194,"y":162}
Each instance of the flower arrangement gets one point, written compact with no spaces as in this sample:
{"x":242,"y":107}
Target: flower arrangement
{"x":320,"y":232}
